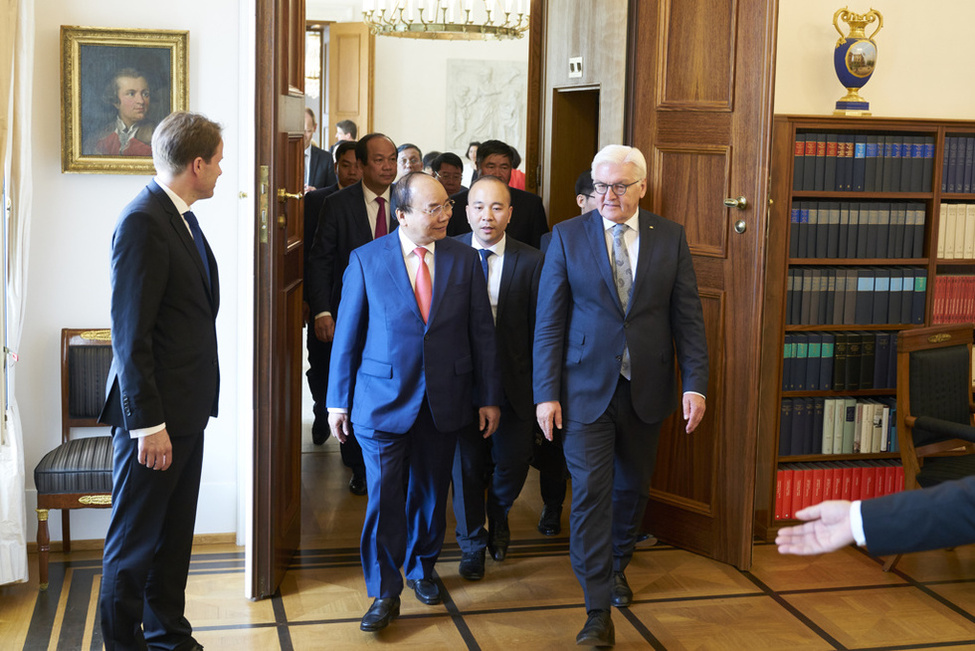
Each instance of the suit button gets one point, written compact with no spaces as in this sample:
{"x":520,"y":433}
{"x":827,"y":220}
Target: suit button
{"x":619,"y":358}
{"x":626,"y":324}
{"x":426,"y":337}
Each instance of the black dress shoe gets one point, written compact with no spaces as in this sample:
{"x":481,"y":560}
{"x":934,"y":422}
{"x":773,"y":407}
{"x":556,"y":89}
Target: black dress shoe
{"x":426,"y":590}
{"x":621,"y":594}
{"x":598,"y":631}
{"x":380,"y":614}
{"x":646,"y":539}
{"x":319,"y":434}
{"x":472,"y":566}
{"x":499,"y":536}
{"x":550,"y":522}
{"x":357,"y":485}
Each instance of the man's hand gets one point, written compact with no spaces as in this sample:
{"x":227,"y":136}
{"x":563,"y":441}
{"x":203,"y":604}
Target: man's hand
{"x":156,"y":451}
{"x":325,"y":328}
{"x":548,"y":414}
{"x":693,"y":410}
{"x":488,"y":419}
{"x":340,"y":425}
{"x":827,"y":529}
{"x":309,"y":188}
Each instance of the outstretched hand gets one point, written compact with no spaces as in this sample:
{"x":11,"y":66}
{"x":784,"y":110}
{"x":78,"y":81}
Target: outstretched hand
{"x":827,"y":529}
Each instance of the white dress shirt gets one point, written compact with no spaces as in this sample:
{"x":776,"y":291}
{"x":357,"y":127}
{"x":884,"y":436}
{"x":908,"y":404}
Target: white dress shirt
{"x":495,"y":266}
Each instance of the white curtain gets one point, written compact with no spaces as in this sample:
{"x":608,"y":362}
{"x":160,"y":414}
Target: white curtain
{"x":16,"y":83}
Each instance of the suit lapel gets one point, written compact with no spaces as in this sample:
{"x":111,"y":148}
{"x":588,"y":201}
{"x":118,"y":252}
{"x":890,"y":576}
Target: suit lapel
{"x":507,"y":273}
{"x":597,"y":242}
{"x":442,"y":266}
{"x":183,"y":235}
{"x":648,"y":245}
{"x":400,"y":280}
{"x":359,"y":211}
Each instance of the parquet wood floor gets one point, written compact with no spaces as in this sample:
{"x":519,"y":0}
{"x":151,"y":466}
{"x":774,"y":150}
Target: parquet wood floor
{"x":530,"y":601}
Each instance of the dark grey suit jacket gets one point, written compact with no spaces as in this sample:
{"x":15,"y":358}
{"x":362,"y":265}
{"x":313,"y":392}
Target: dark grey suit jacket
{"x":581,"y":329}
{"x":164,"y":337}
{"x":515,"y":325}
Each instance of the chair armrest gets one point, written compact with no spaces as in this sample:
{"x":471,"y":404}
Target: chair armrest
{"x":945,"y":428}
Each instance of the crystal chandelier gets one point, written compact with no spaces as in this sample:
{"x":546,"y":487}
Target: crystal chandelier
{"x":447,"y":19}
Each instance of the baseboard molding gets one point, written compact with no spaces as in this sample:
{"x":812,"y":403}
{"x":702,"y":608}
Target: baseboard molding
{"x":98,"y":544}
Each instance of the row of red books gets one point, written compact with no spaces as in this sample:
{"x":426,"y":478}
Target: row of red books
{"x":954,"y":299}
{"x":799,"y":485}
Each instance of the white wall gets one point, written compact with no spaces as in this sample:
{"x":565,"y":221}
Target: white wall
{"x":411,"y":85}
{"x":74,"y":214}
{"x":924,"y":55}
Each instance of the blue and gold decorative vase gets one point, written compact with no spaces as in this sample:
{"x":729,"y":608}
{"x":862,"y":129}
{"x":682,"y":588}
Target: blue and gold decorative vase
{"x":855,"y":59}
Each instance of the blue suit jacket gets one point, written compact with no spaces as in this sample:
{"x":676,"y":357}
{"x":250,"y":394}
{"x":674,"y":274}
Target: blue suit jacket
{"x":386,"y":361}
{"x":581,"y":330}
{"x":343,"y":225}
{"x":517,"y":298}
{"x":164,"y":335}
{"x":929,"y":518}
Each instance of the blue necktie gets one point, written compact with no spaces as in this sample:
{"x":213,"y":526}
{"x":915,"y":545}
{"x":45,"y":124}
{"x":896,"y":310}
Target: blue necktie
{"x":198,"y":240}
{"x":485,"y":253}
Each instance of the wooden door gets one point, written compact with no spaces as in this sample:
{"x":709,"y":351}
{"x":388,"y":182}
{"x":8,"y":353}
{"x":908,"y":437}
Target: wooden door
{"x":700,"y":105}
{"x":278,"y":265}
{"x":351,"y":47}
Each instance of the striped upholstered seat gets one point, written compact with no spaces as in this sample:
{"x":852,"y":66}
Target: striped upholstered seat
{"x":78,"y":473}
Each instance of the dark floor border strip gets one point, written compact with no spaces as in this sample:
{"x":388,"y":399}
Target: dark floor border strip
{"x":642,"y":629}
{"x":456,"y":617}
{"x":922,"y":645}
{"x":41,"y":626}
{"x":798,"y":614}
{"x":281,"y":619}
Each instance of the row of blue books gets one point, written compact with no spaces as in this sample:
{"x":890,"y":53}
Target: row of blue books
{"x":856,"y":229}
{"x":958,"y":167}
{"x":858,"y":162}
{"x":839,"y":361}
{"x":855,"y":295}
{"x":837,"y":426}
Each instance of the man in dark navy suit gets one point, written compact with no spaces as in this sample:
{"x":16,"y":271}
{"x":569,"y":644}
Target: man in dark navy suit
{"x":414,"y":348}
{"x":347,"y":170}
{"x":162,"y":388}
{"x":618,"y":304}
{"x":512,"y":270}
{"x":528,"y":221}
{"x":350,"y":218}
{"x":909,"y":521}
{"x":319,"y":167}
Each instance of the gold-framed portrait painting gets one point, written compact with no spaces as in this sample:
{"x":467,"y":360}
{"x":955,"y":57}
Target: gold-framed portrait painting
{"x":116,"y":85}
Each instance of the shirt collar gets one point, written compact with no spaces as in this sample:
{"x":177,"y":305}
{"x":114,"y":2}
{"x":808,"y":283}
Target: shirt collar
{"x":371,"y":196}
{"x":633,"y":222}
{"x":407,"y":245}
{"x":497,"y":249}
{"x":177,"y":200}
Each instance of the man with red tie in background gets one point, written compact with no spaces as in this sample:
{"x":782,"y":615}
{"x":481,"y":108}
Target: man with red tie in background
{"x":350,"y":218}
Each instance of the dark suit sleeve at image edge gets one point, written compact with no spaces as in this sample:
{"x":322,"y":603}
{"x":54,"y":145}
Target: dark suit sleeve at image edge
{"x":140,"y":261}
{"x":687,"y":323}
{"x":550,"y":319}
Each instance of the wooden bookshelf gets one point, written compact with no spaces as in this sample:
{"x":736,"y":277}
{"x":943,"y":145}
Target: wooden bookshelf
{"x":775,"y":324}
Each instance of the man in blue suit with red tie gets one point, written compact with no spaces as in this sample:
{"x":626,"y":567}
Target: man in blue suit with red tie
{"x":413,"y":350}
{"x":162,"y":388}
{"x":617,"y":305}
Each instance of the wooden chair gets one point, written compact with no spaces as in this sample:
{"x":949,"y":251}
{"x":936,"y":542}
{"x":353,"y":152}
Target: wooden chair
{"x":78,"y":473}
{"x":935,"y":426}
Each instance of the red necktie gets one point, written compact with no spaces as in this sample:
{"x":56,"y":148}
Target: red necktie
{"x":423,"y":288}
{"x":381,"y":217}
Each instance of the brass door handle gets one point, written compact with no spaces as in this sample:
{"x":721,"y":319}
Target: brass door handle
{"x":740,"y":203}
{"x":284,"y":195}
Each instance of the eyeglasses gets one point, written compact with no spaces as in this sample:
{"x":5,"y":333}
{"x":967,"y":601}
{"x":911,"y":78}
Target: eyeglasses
{"x":449,"y":176}
{"x":436,"y":210}
{"x":619,"y":189}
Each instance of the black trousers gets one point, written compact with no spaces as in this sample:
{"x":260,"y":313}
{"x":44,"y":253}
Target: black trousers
{"x":148,"y":546}
{"x":611,"y":462}
{"x":319,"y":354}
